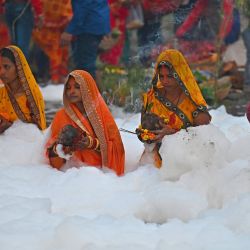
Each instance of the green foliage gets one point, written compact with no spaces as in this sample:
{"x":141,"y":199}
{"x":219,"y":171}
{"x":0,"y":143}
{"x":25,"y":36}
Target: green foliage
{"x":208,"y":93}
{"x":124,"y":87}
{"x":244,"y":5}
{"x":199,"y":76}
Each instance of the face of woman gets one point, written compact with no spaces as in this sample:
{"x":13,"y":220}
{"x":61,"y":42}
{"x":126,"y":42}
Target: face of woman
{"x":166,"y":78}
{"x":8,"y":72}
{"x":72,"y":91}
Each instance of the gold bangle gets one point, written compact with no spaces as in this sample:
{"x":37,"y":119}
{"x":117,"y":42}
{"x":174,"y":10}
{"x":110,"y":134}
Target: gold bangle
{"x":54,"y":149}
{"x":97,"y":144}
{"x":91,"y":141}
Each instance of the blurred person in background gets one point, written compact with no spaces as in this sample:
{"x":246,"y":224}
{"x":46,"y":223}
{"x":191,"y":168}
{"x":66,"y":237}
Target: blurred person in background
{"x":201,"y":26}
{"x":149,"y":35}
{"x":90,"y":22}
{"x":21,"y":16}
{"x":56,"y":16}
{"x":248,"y":111}
{"x":118,"y":15}
{"x":246,"y":39}
{"x":4,"y":32}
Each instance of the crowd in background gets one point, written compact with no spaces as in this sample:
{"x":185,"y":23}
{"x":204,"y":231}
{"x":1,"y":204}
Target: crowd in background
{"x":59,"y":36}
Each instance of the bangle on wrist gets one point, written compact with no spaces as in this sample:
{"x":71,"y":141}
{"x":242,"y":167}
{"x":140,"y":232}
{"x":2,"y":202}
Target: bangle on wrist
{"x":54,"y":149}
{"x":97,"y":146}
{"x":91,"y":141}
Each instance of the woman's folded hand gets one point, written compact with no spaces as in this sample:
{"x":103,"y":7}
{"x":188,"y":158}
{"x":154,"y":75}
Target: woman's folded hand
{"x":165,"y":130}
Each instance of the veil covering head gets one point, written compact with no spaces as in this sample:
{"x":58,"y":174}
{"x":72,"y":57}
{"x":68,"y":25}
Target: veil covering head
{"x":31,"y":89}
{"x":101,"y":119}
{"x":181,"y":67}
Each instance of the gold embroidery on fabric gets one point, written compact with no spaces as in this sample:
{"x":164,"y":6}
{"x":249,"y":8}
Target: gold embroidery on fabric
{"x":93,"y":116}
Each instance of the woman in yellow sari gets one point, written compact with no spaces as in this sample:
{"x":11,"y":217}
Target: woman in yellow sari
{"x":20,"y":96}
{"x":84,"y":131}
{"x":175,"y":98}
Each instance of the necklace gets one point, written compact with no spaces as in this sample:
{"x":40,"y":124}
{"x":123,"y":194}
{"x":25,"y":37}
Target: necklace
{"x":178,"y":100}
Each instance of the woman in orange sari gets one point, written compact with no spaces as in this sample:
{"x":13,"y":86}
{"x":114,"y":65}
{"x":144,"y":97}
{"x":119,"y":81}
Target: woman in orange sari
{"x":84,"y":130}
{"x":20,"y":96}
{"x":175,"y":98}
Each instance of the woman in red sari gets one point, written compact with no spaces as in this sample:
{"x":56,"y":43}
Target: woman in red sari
{"x":118,"y":16}
{"x":96,"y":140}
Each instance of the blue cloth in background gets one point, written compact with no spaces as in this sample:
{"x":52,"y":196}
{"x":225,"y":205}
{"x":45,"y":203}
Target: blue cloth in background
{"x":90,"y":16}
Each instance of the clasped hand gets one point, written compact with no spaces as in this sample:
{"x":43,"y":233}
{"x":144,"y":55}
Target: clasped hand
{"x":72,"y":139}
{"x":160,"y":133}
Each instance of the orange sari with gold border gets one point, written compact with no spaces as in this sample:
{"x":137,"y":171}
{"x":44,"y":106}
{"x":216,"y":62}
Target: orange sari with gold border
{"x":100,"y":124}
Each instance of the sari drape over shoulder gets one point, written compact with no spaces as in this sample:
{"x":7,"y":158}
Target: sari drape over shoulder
{"x":30,"y":106}
{"x":99,"y":124}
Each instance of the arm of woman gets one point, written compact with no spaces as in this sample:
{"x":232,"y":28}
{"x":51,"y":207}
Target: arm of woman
{"x":203,"y":118}
{"x":59,"y":121}
{"x":54,"y":159}
{"x":61,"y":150}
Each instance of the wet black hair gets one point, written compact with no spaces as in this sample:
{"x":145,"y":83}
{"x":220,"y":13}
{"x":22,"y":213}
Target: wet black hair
{"x":5,"y":52}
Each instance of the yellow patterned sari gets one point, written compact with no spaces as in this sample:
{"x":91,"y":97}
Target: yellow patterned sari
{"x":182,"y":115}
{"x":28,"y":107}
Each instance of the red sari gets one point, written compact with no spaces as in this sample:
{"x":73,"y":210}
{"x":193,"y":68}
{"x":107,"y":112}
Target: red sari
{"x":118,"y":16}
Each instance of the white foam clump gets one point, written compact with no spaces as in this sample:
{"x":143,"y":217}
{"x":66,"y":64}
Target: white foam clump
{"x":22,"y":144}
{"x":198,"y":147}
{"x":201,"y":203}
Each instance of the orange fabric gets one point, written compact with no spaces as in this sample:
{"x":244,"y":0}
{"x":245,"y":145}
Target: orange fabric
{"x":31,"y":101}
{"x":61,"y":119}
{"x":101,"y":125}
{"x":56,"y":14}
